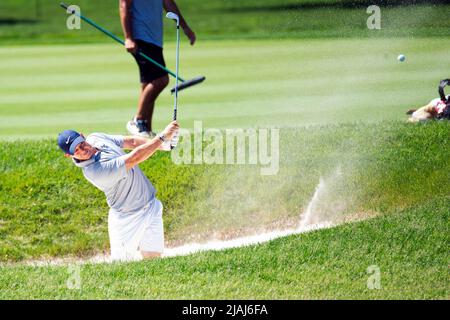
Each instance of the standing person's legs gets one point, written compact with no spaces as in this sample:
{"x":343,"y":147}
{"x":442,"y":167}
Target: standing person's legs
{"x":149,"y":92}
{"x":153,"y":81}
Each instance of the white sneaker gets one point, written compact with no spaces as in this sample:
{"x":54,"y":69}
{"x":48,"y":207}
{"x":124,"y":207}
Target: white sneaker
{"x":140,"y":128}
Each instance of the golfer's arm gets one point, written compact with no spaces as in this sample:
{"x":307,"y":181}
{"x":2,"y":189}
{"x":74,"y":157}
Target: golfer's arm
{"x":125,"y":17}
{"x":132,"y":142}
{"x":142,"y":152}
{"x":170,"y":5}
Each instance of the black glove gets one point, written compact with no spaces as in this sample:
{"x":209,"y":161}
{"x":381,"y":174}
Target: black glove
{"x":446,"y":113}
{"x":442,"y":84}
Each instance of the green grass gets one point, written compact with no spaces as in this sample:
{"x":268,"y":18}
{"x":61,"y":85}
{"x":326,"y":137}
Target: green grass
{"x":48,"y":209}
{"x":310,"y":68}
{"x":353,"y":120}
{"x":42,"y":21}
{"x":45,"y":89}
{"x":409,"y":247}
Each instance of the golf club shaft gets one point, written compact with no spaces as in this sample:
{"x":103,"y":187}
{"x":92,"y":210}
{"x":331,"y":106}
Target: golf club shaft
{"x":175,"y":108}
{"x":113,"y":36}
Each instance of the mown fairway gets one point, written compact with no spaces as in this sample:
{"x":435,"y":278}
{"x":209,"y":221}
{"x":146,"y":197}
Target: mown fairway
{"x":44,"y":89}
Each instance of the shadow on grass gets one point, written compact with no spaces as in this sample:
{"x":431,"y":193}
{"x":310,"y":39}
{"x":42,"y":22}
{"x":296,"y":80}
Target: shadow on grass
{"x":334,"y":5}
{"x":13,"y":21}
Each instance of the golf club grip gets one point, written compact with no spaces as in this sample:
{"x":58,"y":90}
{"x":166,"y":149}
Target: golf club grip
{"x":92,"y":23}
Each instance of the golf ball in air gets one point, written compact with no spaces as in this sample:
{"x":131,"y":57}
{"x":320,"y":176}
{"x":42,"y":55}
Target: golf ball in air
{"x":401,"y":58}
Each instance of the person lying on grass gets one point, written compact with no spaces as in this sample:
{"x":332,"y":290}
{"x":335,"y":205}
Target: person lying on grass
{"x":438,"y":108}
{"x":135,"y":217}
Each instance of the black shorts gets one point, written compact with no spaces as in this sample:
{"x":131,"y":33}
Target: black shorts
{"x":148,"y":70}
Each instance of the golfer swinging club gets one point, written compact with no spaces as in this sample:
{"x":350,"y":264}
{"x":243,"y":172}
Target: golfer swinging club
{"x":135,"y":216}
{"x":142,"y":25}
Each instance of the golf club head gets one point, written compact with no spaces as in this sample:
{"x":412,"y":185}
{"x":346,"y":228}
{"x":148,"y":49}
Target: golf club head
{"x":188,"y":83}
{"x":173,"y":16}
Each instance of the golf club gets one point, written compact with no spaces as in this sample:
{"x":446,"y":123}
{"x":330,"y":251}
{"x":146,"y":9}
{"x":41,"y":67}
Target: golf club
{"x":184,"y":83}
{"x":173,"y":16}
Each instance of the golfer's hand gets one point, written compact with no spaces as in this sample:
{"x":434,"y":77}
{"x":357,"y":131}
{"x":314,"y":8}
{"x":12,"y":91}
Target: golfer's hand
{"x":170,"y":130}
{"x":190,"y":34}
{"x":131,"y":46}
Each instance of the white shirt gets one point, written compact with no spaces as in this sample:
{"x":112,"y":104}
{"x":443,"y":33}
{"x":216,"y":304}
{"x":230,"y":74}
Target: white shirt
{"x":126,"y":191}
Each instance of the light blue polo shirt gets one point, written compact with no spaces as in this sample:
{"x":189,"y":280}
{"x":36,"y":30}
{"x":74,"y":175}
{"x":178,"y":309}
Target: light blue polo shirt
{"x":147,"y":21}
{"x":126,"y":191}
